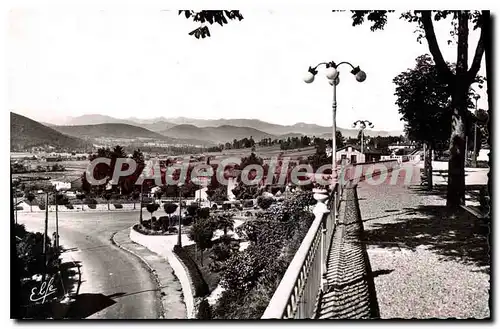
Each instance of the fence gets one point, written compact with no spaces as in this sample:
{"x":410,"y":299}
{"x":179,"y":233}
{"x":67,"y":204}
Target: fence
{"x":298,"y":292}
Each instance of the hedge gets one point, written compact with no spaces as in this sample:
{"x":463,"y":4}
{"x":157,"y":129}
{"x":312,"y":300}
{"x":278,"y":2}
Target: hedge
{"x":146,"y":231}
{"x":200,"y":286}
{"x":19,"y":208}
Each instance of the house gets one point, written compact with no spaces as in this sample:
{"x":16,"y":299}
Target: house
{"x":350,"y":154}
{"x":483,"y":155}
{"x":373,"y":155}
{"x":201,"y":194}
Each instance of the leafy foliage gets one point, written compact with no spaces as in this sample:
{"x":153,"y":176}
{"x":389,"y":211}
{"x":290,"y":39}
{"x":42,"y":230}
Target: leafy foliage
{"x":264,"y":202}
{"x":202,"y":233}
{"x":152,"y":207}
{"x":209,"y":16}
{"x":251,"y":276}
{"x":169,"y":207}
{"x":424,"y":103}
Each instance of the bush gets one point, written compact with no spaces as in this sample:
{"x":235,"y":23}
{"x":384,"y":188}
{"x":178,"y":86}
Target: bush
{"x":41,"y":206}
{"x":187,"y":220}
{"x":226,"y":206}
{"x":264,"y":202}
{"x":118,"y":206}
{"x":200,"y":286}
{"x":92,"y":206}
{"x":214,"y":206}
{"x":248,"y":203}
{"x":91,"y":201}
{"x":19,"y":208}
{"x":204,"y":310}
{"x":69,"y":206}
{"x":205,"y":212}
{"x":172,"y":229}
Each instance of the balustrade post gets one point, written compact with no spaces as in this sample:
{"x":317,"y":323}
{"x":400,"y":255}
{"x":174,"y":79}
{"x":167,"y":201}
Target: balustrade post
{"x":321,"y":209}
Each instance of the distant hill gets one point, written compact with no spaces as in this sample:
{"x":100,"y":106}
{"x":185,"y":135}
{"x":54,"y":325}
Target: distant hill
{"x":221,"y":134}
{"x":94,"y":119}
{"x":26,"y":133}
{"x":114,"y":130}
{"x":127,"y":132}
{"x":156,"y":126}
{"x":162,"y":124}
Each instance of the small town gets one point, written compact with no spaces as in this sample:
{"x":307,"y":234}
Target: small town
{"x":257,"y":203}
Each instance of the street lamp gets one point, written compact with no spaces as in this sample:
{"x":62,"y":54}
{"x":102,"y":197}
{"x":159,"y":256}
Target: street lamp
{"x":362,"y":126}
{"x":332,"y":75}
{"x":179,"y":239}
{"x":474,"y":155}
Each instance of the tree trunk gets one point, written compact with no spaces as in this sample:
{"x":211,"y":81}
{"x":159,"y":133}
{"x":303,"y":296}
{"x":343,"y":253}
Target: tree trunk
{"x":459,"y":87}
{"x":201,"y":260}
{"x":456,"y":171}
{"x":489,"y":76}
{"x":428,"y":166}
{"x":134,"y":204}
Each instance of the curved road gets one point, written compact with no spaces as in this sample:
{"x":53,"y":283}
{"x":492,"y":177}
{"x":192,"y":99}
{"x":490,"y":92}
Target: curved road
{"x":115,"y":284}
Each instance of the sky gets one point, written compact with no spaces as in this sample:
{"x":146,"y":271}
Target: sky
{"x":142,"y":63}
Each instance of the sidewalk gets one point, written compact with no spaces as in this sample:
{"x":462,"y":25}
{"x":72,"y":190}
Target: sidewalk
{"x":171,"y":290}
{"x":425,"y":265}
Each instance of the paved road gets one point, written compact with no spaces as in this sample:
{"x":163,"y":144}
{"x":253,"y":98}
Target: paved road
{"x":115,"y":284}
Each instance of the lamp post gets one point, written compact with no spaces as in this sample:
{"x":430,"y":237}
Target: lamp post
{"x":362,"y":124}
{"x":332,"y":75}
{"x":474,"y":155}
{"x":179,"y":239}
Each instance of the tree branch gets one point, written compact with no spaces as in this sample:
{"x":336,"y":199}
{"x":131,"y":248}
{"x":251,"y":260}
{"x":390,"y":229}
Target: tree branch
{"x":463,"y":43}
{"x":430,"y":35}
{"x":476,"y":62}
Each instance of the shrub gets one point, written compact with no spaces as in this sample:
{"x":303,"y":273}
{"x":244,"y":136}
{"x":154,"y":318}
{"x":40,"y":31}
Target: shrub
{"x":214,"y":206}
{"x":226,"y":206}
{"x":172,"y":229}
{"x":91,"y":201}
{"x":118,"y":206}
{"x":69,"y":206}
{"x":205,"y":212}
{"x":156,"y":225}
{"x":264,"y":202}
{"x":41,"y":206}
{"x":92,"y":206}
{"x":200,"y":286}
{"x":248,"y":203}
{"x":19,"y":208}
{"x":187,"y":220}
{"x":204,"y":310}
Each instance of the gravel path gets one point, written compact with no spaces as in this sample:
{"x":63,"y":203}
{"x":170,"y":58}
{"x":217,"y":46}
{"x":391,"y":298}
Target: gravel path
{"x":425,"y":264}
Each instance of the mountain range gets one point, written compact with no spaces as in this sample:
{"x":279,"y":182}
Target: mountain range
{"x":84,"y":131}
{"x":162,"y":125}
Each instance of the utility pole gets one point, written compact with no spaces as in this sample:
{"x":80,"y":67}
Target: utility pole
{"x":179,"y":237}
{"x":140,"y":206}
{"x":45,"y":230}
{"x":56,"y":242}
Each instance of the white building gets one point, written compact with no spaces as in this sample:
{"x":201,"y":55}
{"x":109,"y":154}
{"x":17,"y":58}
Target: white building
{"x":350,"y":154}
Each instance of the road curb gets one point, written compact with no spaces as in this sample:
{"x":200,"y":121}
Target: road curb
{"x":151,"y":269}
